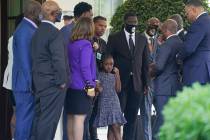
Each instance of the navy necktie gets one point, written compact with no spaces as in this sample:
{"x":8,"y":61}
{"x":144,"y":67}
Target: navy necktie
{"x":131,"y":45}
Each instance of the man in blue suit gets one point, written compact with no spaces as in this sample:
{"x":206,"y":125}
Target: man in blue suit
{"x":21,"y":80}
{"x":196,"y":47}
{"x":82,"y":9}
{"x":165,"y":71}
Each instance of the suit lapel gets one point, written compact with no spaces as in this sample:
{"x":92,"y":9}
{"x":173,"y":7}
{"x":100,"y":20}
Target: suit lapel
{"x":125,"y":46}
{"x":136,"y":44}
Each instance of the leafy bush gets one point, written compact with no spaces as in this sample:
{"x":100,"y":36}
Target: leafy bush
{"x":187,"y":117}
{"x":146,"y":9}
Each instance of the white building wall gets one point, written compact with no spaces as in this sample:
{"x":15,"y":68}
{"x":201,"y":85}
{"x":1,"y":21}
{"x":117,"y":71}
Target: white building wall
{"x":104,"y":8}
{"x":68,"y":5}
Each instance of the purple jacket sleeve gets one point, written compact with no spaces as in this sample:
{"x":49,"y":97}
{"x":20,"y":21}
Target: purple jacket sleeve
{"x":85,"y":63}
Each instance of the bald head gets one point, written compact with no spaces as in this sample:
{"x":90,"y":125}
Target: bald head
{"x":50,"y":9}
{"x":32,"y":10}
{"x":178,"y":19}
{"x":170,"y":25}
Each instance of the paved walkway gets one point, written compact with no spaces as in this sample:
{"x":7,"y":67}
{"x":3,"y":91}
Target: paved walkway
{"x":102,"y":133}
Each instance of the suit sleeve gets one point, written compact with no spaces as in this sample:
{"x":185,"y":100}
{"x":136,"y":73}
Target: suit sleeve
{"x":162,"y":58}
{"x":193,"y":38}
{"x":85,"y":63}
{"x":110,"y":48}
{"x":57,"y":50}
{"x":23,"y":42}
{"x":145,"y":67}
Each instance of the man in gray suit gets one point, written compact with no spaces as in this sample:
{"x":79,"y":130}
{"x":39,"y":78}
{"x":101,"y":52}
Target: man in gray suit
{"x":50,"y":73}
{"x":165,"y":70}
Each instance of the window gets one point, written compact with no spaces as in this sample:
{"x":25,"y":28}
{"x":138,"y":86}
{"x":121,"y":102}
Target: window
{"x":106,"y":8}
{"x":15,"y":9}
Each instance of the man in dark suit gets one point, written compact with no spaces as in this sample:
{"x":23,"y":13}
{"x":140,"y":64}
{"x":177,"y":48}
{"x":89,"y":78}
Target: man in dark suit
{"x":181,"y":32}
{"x":100,"y":24}
{"x":130,"y":53}
{"x":165,"y":70}
{"x":21,"y":70}
{"x":82,"y":9}
{"x":196,"y":47}
{"x":50,"y":73}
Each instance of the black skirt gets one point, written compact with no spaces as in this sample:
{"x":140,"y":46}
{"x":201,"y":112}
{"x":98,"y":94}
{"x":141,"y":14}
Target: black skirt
{"x":77,"y":102}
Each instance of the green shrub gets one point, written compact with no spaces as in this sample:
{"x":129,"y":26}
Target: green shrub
{"x":146,"y":9}
{"x":187,"y":117}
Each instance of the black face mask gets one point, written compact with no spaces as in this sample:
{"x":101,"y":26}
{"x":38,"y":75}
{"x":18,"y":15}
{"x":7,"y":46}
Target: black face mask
{"x":130,"y":28}
{"x":152,"y":30}
{"x":58,"y":17}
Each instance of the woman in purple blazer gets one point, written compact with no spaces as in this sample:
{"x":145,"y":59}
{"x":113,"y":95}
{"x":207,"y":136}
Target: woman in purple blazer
{"x":83,"y":76}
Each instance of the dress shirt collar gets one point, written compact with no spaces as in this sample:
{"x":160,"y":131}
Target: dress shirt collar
{"x":180,"y":31}
{"x":50,"y":22}
{"x":200,"y":15}
{"x":147,"y":36}
{"x":127,"y":35}
{"x":31,"y":22}
{"x":171,"y":36}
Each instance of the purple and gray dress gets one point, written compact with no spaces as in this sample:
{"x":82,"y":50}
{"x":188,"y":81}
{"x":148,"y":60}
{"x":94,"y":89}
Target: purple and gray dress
{"x":109,"y":111}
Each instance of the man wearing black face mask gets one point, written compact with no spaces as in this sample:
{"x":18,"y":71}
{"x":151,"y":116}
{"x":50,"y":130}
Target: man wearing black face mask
{"x":130,"y":53}
{"x":50,"y":73}
{"x":151,"y":34}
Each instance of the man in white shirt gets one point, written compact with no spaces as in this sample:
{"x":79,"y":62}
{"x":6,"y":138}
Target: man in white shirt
{"x":130,"y":53}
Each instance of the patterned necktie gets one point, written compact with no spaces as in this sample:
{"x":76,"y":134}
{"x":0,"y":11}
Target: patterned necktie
{"x":152,"y":41}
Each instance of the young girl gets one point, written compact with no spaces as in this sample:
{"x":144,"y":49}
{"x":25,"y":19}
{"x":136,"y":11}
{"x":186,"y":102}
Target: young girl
{"x":109,"y":111}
